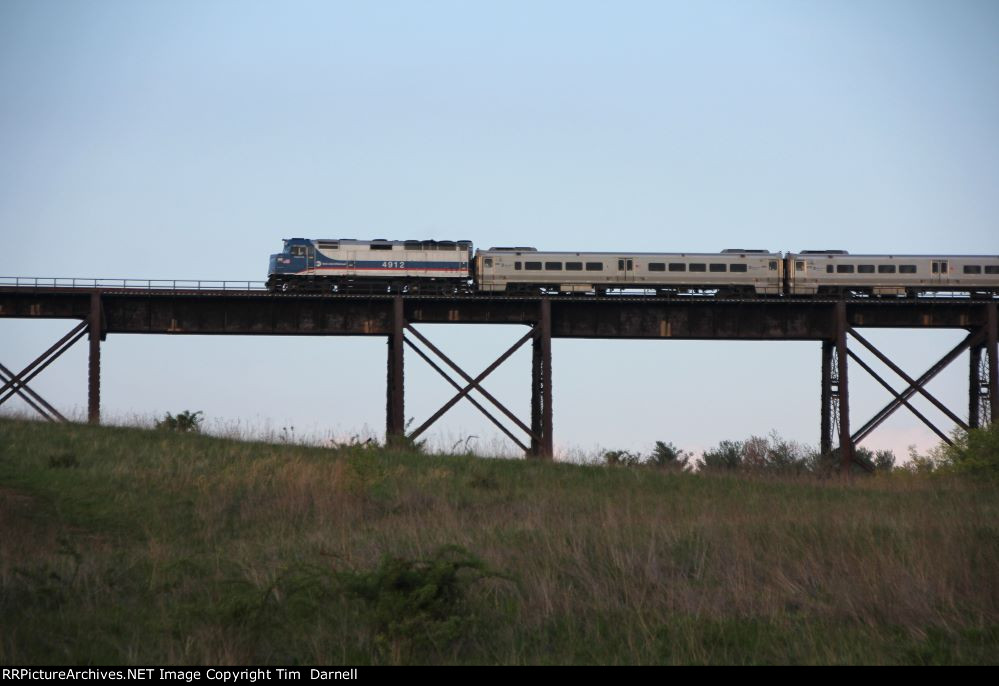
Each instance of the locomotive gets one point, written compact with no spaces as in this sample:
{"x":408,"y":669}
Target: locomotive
{"x":349,"y":265}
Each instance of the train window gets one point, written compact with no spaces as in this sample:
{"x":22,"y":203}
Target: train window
{"x":972,"y":269}
{"x":488,"y":261}
{"x":773,"y":265}
{"x":594,"y":266}
{"x":678,"y":266}
{"x":532,"y":266}
{"x":517,"y":266}
{"x":381,"y":246}
{"x":698,"y":267}
{"x":844,"y":268}
{"x":737,"y":268}
{"x":298,"y":250}
{"x":865,"y":268}
{"x":829,"y":269}
{"x":906,"y":269}
{"x":886,"y":269}
{"x":991,"y":269}
{"x":940,"y":267}
{"x":799,"y":266}
{"x":553,"y":266}
{"x":574,"y":266}
{"x":657,"y":266}
{"x":716,"y":267}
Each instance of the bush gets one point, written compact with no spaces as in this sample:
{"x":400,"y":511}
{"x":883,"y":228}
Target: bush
{"x":622,"y":458}
{"x":186,"y":421}
{"x":418,"y":604}
{"x":728,"y":455}
{"x":668,"y":456}
{"x":974,"y":453}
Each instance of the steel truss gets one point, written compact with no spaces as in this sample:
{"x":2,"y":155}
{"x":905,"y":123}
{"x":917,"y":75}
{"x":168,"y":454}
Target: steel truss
{"x":539,"y":432}
{"x":983,"y":388}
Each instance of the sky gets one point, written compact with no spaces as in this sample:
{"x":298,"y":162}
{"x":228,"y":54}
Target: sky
{"x":185,"y":139}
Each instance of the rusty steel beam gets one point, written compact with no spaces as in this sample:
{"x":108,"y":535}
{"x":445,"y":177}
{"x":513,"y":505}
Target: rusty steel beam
{"x":38,"y":360}
{"x":885,"y":412}
{"x":475,"y":403}
{"x":867,"y":368}
{"x":472,"y":383}
{"x":94,"y":321}
{"x":992,"y":343}
{"x":975,"y":387}
{"x":40,"y":363}
{"x":845,"y":440}
{"x":395,"y":407}
{"x":908,"y":379}
{"x":537,"y":364}
{"x":35,"y":401}
{"x":510,"y":415}
{"x":544,"y":337}
{"x":825,"y":426}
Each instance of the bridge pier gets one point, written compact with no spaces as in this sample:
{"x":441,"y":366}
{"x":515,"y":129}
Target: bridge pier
{"x":541,"y":384}
{"x":992,"y":345}
{"x":96,"y":333}
{"x":395,"y":409}
{"x":846,"y":445}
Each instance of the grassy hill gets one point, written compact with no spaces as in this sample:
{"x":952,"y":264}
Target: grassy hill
{"x":134,"y":546}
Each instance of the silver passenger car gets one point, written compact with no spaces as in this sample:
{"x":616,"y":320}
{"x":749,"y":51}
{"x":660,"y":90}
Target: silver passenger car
{"x":729,"y":272}
{"x":814,"y":272}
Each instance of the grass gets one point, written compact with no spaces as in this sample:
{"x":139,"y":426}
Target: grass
{"x":121,"y":546}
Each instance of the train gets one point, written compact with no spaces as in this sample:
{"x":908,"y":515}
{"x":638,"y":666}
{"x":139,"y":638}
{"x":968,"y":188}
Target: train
{"x":347,"y":265}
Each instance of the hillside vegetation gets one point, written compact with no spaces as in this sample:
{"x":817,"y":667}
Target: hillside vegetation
{"x":152,"y":546}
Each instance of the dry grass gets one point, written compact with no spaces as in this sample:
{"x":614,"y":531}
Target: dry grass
{"x":187,"y":549}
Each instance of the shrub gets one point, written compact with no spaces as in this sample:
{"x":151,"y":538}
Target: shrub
{"x":418,"y":603}
{"x":668,"y":456}
{"x":623,"y":458}
{"x":974,"y":453}
{"x":728,"y":455}
{"x":185,"y":421}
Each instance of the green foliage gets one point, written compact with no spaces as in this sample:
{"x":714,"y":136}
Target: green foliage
{"x":418,"y":604}
{"x":184,"y":422}
{"x":668,"y":456}
{"x":161,"y":536}
{"x":974,"y":453}
{"x":884,"y":461}
{"x":759,"y":454}
{"x":728,"y":455}
{"x":63,"y":461}
{"x":663,"y":456}
{"x":622,"y":458}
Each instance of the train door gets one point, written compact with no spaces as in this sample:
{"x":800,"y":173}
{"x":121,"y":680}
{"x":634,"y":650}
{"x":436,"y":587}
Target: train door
{"x":940,"y":272}
{"x":310,"y":259}
{"x":626,"y":270}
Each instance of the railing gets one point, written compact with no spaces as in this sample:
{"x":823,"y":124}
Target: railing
{"x":147,"y":284}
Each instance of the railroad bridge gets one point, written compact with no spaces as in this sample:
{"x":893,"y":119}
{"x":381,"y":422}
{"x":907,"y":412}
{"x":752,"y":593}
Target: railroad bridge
{"x":101,"y":308}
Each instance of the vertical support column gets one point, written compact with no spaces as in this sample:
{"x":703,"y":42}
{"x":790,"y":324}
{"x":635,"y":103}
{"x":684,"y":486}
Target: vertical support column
{"x":547,"y":444}
{"x":395,"y":408}
{"x":825,"y":429}
{"x":536,"y":390}
{"x":975,"y":387}
{"x":541,"y":384}
{"x":94,"y":367}
{"x":845,"y":441}
{"x":992,"y":343}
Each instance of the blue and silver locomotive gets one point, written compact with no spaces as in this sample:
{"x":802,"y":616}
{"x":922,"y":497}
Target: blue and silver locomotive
{"x":346,"y":264}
